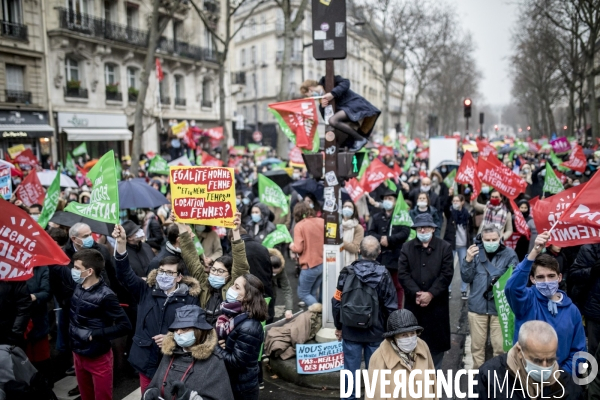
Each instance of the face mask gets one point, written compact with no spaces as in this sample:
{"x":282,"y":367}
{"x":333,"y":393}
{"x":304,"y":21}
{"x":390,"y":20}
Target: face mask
{"x":404,"y":178}
{"x":388,"y":204}
{"x":216,"y":281}
{"x":526,"y":171}
{"x":256,"y":218}
{"x":425,"y":188}
{"x":347,"y":212}
{"x":576,"y":183}
{"x":186,"y":339}
{"x":422,"y":204}
{"x":547,"y":289}
{"x":456,"y":206}
{"x":587,"y":173}
{"x":424,"y":237}
{"x":200,"y":228}
{"x":407,"y":344}
{"x":76,"y":275}
{"x":485,"y":190}
{"x":495,"y":202}
{"x":165,"y":282}
{"x":87,"y":243}
{"x":543,"y":173}
{"x":537,"y":373}
{"x":238,"y":202}
{"x":35,"y":217}
{"x":435,"y":179}
{"x":443,"y":170}
{"x":311,"y":205}
{"x":491,"y":247}
{"x":231,"y":295}
{"x":317,"y":93}
{"x":295,"y":176}
{"x":246,"y":201}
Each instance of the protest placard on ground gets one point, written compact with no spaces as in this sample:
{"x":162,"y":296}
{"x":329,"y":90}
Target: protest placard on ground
{"x":319,"y":358}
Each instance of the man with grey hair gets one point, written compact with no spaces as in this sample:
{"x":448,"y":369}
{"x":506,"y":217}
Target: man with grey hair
{"x":486,"y":261}
{"x":364,"y":299}
{"x":533,"y":362}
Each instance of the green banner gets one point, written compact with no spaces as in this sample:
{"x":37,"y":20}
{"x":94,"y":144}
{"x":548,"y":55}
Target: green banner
{"x":391,"y":185}
{"x":401,"y":216}
{"x":71,"y":165}
{"x":364,"y":166}
{"x":159,"y":166}
{"x":408,"y":162}
{"x":271,"y":194}
{"x":50,"y":201}
{"x":505,"y":315}
{"x":449,"y":180}
{"x":104,"y":202}
{"x":80,"y":150}
{"x":551,"y":182}
{"x":199,"y":248}
{"x":253,"y":147}
{"x":118,"y":169}
{"x":279,"y":235}
{"x":557,"y":161}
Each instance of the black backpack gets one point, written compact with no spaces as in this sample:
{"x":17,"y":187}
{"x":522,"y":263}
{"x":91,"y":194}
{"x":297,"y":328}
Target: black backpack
{"x":360,"y":303}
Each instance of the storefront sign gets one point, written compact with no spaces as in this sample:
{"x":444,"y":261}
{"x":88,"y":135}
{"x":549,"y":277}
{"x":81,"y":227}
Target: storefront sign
{"x":319,"y":358}
{"x":71,"y":120}
{"x":23,"y":117}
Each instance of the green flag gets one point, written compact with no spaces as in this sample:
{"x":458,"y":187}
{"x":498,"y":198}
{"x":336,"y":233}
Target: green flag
{"x":80,"y":150}
{"x":271,"y":194}
{"x":363,"y":167}
{"x":408,"y":162}
{"x":253,"y":147}
{"x":557,"y":161}
{"x":505,"y":315}
{"x":159,"y":166}
{"x":199,"y":248}
{"x":104,"y":202}
{"x":391,"y":185}
{"x":71,"y":165}
{"x":551,"y":182}
{"x":401,"y":216}
{"x":279,"y":235}
{"x":50,"y":201}
{"x":449,"y":179}
{"x":118,"y":169}
{"x":522,"y":148}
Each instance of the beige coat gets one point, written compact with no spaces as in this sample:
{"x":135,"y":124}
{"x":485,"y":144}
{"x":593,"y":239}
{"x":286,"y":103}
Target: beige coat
{"x":385,"y":357}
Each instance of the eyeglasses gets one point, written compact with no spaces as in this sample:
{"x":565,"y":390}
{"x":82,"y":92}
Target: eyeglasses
{"x":424,"y":229}
{"x":219,"y":271}
{"x":170,"y":273}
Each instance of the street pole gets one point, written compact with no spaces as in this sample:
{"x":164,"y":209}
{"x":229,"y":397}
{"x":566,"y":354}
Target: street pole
{"x":467,"y":120}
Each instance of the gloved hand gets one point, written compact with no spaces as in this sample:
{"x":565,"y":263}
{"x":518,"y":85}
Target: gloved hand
{"x":178,"y":389}
{"x":152,"y":394}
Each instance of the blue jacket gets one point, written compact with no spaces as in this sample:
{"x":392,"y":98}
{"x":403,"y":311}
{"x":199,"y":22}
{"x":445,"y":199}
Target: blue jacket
{"x":155,"y":313}
{"x":529,"y":304}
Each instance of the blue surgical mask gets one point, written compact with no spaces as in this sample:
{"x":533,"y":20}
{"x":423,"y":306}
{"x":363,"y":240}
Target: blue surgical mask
{"x":311,"y":205}
{"x":456,"y":206}
{"x":485,"y":190}
{"x":186,"y":339}
{"x":216,"y":281}
{"x":76,"y":275}
{"x":246,"y":201}
{"x":231,"y":295}
{"x":238,"y":202}
{"x":87,"y":243}
{"x":35,"y":217}
{"x":491,"y":247}
{"x":537,"y":373}
{"x":165,"y":282}
{"x":256,"y":218}
{"x":547,"y":289}
{"x":388,"y":204}
{"x":347,"y":212}
{"x":424,"y":237}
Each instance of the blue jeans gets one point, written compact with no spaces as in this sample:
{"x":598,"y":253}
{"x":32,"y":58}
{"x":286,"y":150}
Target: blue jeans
{"x":309,"y":284}
{"x":353,"y":354}
{"x":462,"y":253}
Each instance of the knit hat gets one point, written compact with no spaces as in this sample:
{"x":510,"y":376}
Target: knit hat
{"x":401,"y":321}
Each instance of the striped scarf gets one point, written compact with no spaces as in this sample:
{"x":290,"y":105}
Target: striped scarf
{"x":495,"y":215}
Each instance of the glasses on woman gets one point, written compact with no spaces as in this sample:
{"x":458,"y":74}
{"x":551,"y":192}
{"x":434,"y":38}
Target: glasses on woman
{"x":218,"y":271}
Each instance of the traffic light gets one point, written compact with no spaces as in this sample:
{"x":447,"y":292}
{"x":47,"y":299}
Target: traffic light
{"x":314,"y":164}
{"x":467,"y":105}
{"x":348,"y":164}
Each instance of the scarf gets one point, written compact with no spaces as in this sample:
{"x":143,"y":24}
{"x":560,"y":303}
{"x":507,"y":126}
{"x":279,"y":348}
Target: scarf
{"x":348,"y":227}
{"x":172,"y":249}
{"x":517,"y":368}
{"x":407,"y":358}
{"x":231,"y":316}
{"x":460,"y":217}
{"x":495,"y":215}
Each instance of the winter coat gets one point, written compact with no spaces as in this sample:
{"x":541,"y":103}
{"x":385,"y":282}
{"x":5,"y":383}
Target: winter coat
{"x":379,"y":226}
{"x":154,"y":235}
{"x":259,"y":260}
{"x":435,"y":215}
{"x":139,"y":258}
{"x":242,"y":347}
{"x":434,"y":199}
{"x":210,"y":298}
{"x":15,"y":306}
{"x":39,"y":286}
{"x":166,"y":252}
{"x":374,"y":275}
{"x":509,"y":389}
{"x":594,"y":387}
{"x":155,"y":311}
{"x":207,"y":378}
{"x":264,"y":225}
{"x":211,"y":243}
{"x":584,"y":279}
{"x":450,"y":234}
{"x":480,"y":272}
{"x":428,"y":269}
{"x":281,"y":341}
{"x":528,"y":304}
{"x":386,"y":358}
{"x":282,"y":282}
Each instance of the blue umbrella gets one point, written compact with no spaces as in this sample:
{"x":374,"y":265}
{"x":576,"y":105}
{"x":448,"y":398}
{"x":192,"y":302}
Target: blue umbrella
{"x":270,"y":161}
{"x":136,"y":193}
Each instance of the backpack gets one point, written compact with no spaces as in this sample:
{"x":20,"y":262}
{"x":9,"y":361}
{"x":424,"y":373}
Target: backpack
{"x":19,"y":379}
{"x":360,"y":303}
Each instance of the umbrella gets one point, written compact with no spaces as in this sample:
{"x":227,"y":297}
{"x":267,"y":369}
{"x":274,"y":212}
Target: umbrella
{"x":270,"y":161}
{"x":448,"y":163}
{"x":47,"y":176}
{"x":506,"y":149}
{"x":136,"y":193}
{"x":13,"y":170}
{"x":305,"y":186}
{"x":66,"y":218}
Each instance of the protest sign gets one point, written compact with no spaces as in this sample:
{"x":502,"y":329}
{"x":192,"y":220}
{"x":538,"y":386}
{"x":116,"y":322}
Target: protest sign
{"x":104,"y":200}
{"x":210,"y":161}
{"x":319,"y":358}
{"x":296,"y":159}
{"x":5,"y":182}
{"x":501,"y":178}
{"x":520,"y":222}
{"x":70,"y":165}
{"x":215,"y":133}
{"x":279,"y":235}
{"x":355,"y":191}
{"x":260,"y":154}
{"x":180,"y":129}
{"x":560,"y":145}
{"x":505,"y":315}
{"x":159,"y":166}
{"x":577,"y":160}
{"x":51,"y":201}
{"x":15,"y":150}
{"x":376,"y":173}
{"x":80,"y":150}
{"x":181,"y":161}
{"x":449,"y":180}
{"x":24,"y":244}
{"x":486,"y":149}
{"x":512,"y":240}
{"x":30,"y":191}
{"x":26,"y":160}
{"x":271,"y":194}
{"x":203,"y":195}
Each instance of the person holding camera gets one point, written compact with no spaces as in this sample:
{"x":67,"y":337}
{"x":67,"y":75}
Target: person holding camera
{"x":486,"y":261}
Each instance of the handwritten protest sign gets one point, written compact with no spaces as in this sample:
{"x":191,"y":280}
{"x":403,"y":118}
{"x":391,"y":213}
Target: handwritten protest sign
{"x":203,"y":195}
{"x":319,"y":358}
{"x":5,"y":183}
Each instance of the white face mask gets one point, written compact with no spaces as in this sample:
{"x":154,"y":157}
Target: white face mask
{"x":407,"y":344}
{"x":422,"y":204}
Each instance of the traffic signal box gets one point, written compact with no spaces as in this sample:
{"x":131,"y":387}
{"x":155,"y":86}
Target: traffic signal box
{"x":348,"y":164}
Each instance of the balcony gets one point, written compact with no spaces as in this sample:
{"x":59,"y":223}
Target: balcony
{"x":239,"y":78}
{"x":76,"y":92}
{"x":166,"y":100}
{"x":13,"y":31}
{"x":206,"y":104}
{"x":179,"y":101}
{"x":295,"y":56}
{"x":132,"y":94}
{"x":114,"y":96}
{"x":17,"y":96}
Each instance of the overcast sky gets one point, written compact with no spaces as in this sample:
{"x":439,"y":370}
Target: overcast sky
{"x":490,"y":22}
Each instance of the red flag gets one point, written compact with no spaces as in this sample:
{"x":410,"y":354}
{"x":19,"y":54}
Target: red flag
{"x":512,"y":241}
{"x":467,"y":174}
{"x":577,"y":160}
{"x":210,"y":161}
{"x":520,"y":222}
{"x":296,"y":159}
{"x":188,"y":139}
{"x":159,"y":72}
{"x":501,"y":178}
{"x":547,"y":212}
{"x":386,"y":151}
{"x":26,"y":160}
{"x":397,"y":170}
{"x":215,"y":133}
{"x":24,"y":245}
{"x":354,"y":189}
{"x":376,"y":173}
{"x":563,"y":178}
{"x":485,"y":148}
{"x":423,"y":155}
{"x":31,"y":191}
{"x":301,"y":118}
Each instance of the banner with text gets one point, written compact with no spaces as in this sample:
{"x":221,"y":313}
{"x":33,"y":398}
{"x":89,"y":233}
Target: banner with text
{"x":506,"y":316}
{"x":5,"y":182}
{"x":319,"y":358}
{"x":30,"y":191}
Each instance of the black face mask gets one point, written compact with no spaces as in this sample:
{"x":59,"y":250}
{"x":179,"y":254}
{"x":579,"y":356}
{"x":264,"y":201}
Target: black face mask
{"x":525,"y":214}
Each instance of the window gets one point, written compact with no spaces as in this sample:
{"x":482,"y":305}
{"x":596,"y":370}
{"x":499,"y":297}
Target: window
{"x":14,"y":77}
{"x":245,"y":113}
{"x":243,"y":57}
{"x":263,"y":81}
{"x":177,"y":25}
{"x":179,"y":92}
{"x":108,"y":10}
{"x":110,"y":74}
{"x":263,"y":24}
{"x":252,"y":27}
{"x":12,"y":11}
{"x":163,"y":86}
{"x":132,"y":16}
{"x":263,"y":52}
{"x":132,"y":77}
{"x":72,"y":69}
{"x":78,"y":6}
{"x":206,"y":89}
{"x":253,"y":83}
{"x":208,"y":42}
{"x":279,"y":23}
{"x":253,"y":55}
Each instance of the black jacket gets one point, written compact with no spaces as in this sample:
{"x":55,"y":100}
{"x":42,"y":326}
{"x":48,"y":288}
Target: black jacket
{"x":515,"y":389}
{"x":39,"y":285}
{"x":15,"y":305}
{"x":584,"y":281}
{"x":450,"y":235}
{"x":260,"y":266}
{"x":380,"y":226}
{"x":139,"y":258}
{"x":430,"y":270}
{"x":154,"y":236}
{"x":242,"y":347}
{"x":374,"y":275}
{"x":434,"y":199}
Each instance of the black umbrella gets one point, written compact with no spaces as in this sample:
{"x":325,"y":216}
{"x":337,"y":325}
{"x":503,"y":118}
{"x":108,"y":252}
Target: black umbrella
{"x":306,"y":186}
{"x":66,"y":218}
{"x":136,"y":193}
{"x":506,"y":149}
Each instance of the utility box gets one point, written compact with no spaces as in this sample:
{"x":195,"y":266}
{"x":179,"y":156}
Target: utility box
{"x":329,"y":29}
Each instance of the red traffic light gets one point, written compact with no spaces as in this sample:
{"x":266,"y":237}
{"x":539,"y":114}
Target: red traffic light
{"x":528,"y":128}
{"x":467,"y":102}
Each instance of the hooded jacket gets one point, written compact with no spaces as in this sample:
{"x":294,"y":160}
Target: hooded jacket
{"x":264,"y":225}
{"x":156,"y":311}
{"x":207,"y":378}
{"x":376,"y":276}
{"x":480,"y":273}
{"x":529,"y":304}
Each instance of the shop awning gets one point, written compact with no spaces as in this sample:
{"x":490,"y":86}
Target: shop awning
{"x":26,"y":131}
{"x":80,"y":135}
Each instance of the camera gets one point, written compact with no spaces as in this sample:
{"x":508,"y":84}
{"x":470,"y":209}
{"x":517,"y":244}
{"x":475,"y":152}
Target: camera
{"x":489,"y":292}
